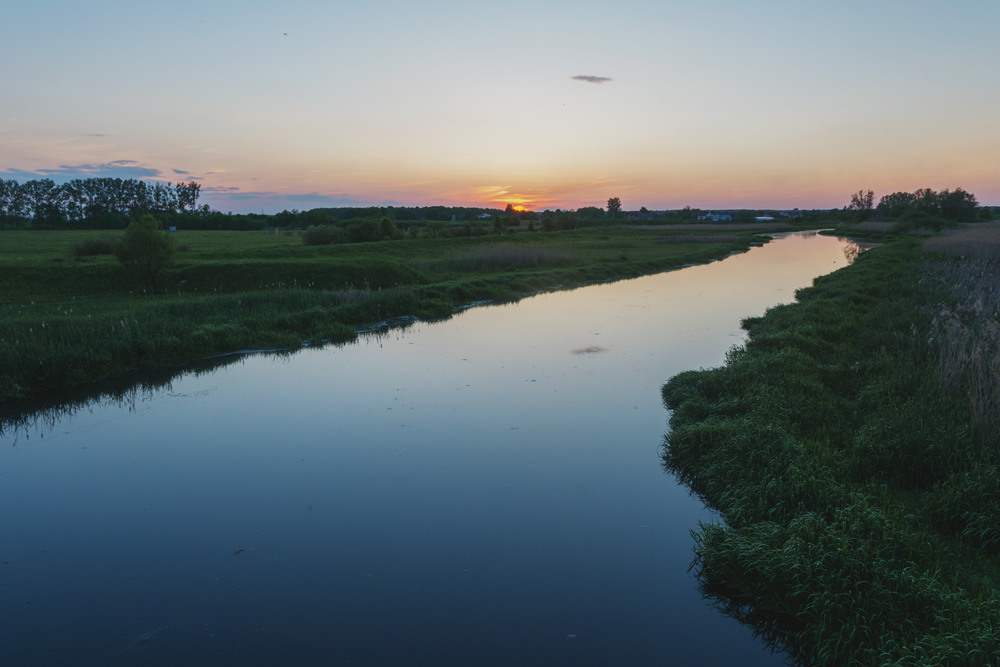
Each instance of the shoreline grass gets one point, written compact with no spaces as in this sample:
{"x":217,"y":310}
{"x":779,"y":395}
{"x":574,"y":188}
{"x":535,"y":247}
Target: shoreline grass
{"x":68,"y":318}
{"x":859,"y":486}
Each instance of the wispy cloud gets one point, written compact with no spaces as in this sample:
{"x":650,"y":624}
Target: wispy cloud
{"x":66,"y":172}
{"x":589,"y":78}
{"x":181,"y":172}
{"x":492,"y":190}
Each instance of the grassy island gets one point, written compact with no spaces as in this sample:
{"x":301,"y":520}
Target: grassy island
{"x":853,"y":447}
{"x":70,"y":313}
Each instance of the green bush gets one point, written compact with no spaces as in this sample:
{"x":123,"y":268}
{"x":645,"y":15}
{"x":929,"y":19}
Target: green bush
{"x":145,"y":251}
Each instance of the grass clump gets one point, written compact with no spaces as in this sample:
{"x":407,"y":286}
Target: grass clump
{"x":859,"y":480}
{"x":92,"y":247}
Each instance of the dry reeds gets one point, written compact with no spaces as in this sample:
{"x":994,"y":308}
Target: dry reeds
{"x":979,"y":240}
{"x":506,"y":256}
{"x":870,"y":226}
{"x":700,"y":238}
{"x":966,"y":334}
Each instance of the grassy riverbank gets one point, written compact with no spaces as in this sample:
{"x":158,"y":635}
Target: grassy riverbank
{"x":852,"y":447}
{"x":68,"y":316}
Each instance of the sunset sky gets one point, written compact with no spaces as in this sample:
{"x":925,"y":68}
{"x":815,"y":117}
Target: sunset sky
{"x":712,"y":104}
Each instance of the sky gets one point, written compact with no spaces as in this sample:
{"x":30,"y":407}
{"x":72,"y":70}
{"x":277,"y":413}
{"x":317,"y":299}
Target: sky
{"x":713,"y":104}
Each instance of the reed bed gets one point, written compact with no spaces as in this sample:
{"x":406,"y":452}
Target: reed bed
{"x":965,"y":334}
{"x":881,"y":226}
{"x":505,"y":257}
{"x":977,"y":241}
{"x":699,"y":238}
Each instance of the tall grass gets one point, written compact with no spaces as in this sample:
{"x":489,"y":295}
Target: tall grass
{"x":505,"y":257}
{"x":965,"y":334}
{"x":975,"y":241}
{"x":862,"y":511}
{"x":45,"y":345}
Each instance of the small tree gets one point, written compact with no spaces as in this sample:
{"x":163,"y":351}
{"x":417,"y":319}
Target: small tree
{"x":145,"y":250}
{"x":614,"y":207}
{"x":387,"y":229}
{"x":862,"y":203}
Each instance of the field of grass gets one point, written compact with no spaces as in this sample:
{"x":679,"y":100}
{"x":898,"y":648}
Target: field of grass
{"x":851,"y":445}
{"x":69,"y":316}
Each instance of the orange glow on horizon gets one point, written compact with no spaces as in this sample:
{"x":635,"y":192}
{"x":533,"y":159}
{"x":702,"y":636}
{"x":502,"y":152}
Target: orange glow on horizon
{"x":518,"y":203}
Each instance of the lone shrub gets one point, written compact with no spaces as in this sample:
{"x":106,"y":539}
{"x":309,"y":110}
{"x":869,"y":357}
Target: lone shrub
{"x":145,"y":251}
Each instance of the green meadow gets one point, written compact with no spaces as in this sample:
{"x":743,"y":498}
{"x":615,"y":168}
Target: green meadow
{"x":852,"y":446}
{"x":70,"y":314}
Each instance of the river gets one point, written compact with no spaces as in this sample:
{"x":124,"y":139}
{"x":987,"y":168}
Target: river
{"x":482,"y":490}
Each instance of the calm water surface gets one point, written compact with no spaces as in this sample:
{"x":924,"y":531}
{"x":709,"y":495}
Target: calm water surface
{"x":485,"y":490}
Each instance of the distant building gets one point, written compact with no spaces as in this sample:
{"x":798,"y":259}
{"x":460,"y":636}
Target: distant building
{"x":715,"y":217}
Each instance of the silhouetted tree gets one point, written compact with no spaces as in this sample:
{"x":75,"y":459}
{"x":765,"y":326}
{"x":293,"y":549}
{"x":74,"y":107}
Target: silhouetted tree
{"x":958,"y":206}
{"x":862,"y":203}
{"x":614,"y":207}
{"x":892,"y":206}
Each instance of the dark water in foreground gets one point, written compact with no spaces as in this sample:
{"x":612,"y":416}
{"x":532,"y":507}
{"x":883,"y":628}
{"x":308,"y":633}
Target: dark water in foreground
{"x":485,"y":490}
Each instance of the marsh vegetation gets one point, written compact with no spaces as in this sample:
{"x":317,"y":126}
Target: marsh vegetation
{"x":851,"y":445}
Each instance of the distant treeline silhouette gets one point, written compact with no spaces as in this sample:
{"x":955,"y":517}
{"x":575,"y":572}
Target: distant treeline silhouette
{"x":94,"y":203}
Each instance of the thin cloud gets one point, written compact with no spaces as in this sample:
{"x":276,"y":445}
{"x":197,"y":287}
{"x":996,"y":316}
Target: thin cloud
{"x":66,"y":172}
{"x":589,"y":78}
{"x":181,"y":172}
{"x":493,"y":190}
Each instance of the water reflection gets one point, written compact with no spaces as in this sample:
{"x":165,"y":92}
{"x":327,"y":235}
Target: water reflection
{"x":852,"y":249}
{"x":40,"y":415}
{"x":773,"y":631}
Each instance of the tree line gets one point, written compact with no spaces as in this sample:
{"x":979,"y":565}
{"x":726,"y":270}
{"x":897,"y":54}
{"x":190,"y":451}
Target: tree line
{"x":921,"y":208}
{"x":94,"y":203}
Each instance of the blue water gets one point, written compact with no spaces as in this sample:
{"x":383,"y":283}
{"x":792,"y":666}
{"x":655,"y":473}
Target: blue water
{"x":484,"y":490}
